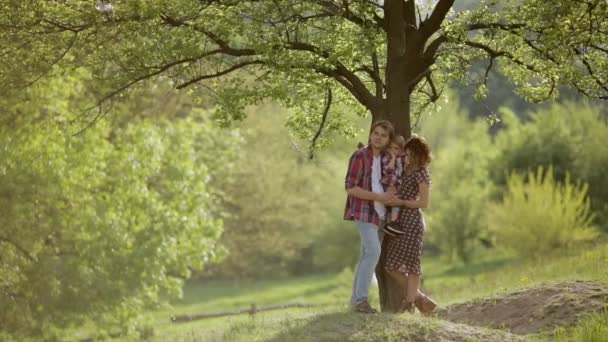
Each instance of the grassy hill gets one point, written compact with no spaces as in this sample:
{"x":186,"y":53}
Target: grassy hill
{"x":479,"y":286}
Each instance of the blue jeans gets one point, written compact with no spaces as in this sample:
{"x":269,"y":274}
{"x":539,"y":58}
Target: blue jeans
{"x":370,"y":253}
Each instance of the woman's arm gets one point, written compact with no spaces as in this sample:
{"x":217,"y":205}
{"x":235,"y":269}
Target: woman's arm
{"x":422,"y":202}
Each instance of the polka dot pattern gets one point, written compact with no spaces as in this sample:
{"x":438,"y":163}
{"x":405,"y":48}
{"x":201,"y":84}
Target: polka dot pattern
{"x":403,"y":252}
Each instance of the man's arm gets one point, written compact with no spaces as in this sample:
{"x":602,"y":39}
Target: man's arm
{"x":354,"y":175}
{"x":368,"y":195}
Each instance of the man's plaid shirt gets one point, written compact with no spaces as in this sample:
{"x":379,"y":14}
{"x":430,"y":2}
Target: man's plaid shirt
{"x":360,"y":174}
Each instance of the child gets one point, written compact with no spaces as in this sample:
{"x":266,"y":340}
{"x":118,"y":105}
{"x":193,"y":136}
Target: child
{"x":393,"y":169}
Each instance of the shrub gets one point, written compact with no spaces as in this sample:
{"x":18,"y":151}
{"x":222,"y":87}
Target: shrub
{"x":461,"y":185}
{"x":570,"y":137}
{"x":541,"y":215}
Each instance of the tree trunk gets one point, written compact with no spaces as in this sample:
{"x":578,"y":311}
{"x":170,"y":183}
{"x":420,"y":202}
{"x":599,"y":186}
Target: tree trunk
{"x":401,"y":68}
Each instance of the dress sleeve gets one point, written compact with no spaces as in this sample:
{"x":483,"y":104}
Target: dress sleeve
{"x":423,"y":176}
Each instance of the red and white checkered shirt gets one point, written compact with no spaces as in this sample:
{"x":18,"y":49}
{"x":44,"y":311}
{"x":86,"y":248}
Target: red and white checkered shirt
{"x":359,"y":174}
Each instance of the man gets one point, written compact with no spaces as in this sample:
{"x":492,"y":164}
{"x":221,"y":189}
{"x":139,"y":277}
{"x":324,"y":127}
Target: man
{"x":365,"y":206}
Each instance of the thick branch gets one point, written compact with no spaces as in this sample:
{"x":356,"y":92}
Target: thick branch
{"x":409,"y":16}
{"x":430,"y":54}
{"x":433,"y":23}
{"x":494,"y":53}
{"x":341,"y":73}
{"x":375,"y":75}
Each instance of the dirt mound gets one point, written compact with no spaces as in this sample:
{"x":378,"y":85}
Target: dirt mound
{"x":531,"y":310}
{"x":347,"y":326}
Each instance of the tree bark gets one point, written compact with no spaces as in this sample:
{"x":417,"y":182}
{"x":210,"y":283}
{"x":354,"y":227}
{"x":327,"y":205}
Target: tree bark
{"x":396,"y":109}
{"x":390,"y":293}
{"x":397,"y":106}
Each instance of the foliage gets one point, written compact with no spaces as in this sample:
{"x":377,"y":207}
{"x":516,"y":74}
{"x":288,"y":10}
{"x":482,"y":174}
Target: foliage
{"x":274,"y":204}
{"x":541,"y":215}
{"x":337,"y":247}
{"x":295,"y":50}
{"x":550,"y":138}
{"x":95,"y":226}
{"x":461,"y":187}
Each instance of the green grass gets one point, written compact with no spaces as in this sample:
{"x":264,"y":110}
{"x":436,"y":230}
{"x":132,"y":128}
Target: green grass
{"x":448,"y":283}
{"x":592,"y":329}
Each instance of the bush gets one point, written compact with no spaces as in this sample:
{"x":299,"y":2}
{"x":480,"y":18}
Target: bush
{"x":541,"y":215}
{"x":94,"y":227}
{"x":569,"y":137}
{"x":461,"y":186}
{"x":279,"y":203}
{"x":337,"y":247}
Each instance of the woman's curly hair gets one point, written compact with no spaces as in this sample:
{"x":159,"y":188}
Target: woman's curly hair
{"x":420,"y":151}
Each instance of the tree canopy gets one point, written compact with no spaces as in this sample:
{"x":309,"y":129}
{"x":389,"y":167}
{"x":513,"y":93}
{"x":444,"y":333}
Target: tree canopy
{"x":95,"y":227}
{"x":391,"y":58}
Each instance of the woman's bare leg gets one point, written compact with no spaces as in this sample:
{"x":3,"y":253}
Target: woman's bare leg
{"x":412,"y":287}
{"x":401,"y":279}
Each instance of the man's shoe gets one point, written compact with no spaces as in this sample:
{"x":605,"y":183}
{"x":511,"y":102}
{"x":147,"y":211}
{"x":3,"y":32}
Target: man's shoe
{"x":365,"y":308}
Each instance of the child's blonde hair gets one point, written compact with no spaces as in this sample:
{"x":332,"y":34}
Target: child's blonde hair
{"x":399,"y":140}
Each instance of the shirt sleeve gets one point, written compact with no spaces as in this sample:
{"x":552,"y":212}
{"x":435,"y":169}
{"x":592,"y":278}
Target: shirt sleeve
{"x":389,"y":176}
{"x":398,"y":171}
{"x":354,"y":174}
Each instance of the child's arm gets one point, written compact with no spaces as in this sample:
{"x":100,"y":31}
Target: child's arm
{"x":389,"y":177}
{"x":398,"y":171}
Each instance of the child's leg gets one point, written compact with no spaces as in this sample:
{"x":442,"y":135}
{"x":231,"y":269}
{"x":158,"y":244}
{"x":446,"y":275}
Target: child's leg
{"x":394,"y":213}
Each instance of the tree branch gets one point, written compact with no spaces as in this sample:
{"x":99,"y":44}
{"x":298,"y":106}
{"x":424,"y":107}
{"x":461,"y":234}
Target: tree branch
{"x":220,"y":73}
{"x":328,"y":100}
{"x":590,"y":70}
{"x":506,"y":27}
{"x":340,"y":72}
{"x":19,"y":248}
{"x":495,"y":53}
{"x":409,"y":15}
{"x":430,"y":53}
{"x":375,"y":75}
{"x":345,"y":12}
{"x":433,"y":23}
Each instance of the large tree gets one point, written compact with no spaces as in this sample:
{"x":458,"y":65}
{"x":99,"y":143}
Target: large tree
{"x":390,"y":58}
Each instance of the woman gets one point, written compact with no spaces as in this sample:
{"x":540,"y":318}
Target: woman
{"x":403,"y":251}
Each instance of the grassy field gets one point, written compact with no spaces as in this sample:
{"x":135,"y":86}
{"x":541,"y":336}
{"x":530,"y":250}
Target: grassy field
{"x":448,"y":283}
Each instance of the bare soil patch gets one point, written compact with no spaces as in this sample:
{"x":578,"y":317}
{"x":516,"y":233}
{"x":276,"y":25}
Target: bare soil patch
{"x":532,"y":310}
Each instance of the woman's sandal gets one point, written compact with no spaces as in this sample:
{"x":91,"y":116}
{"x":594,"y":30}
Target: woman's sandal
{"x":425,"y":305}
